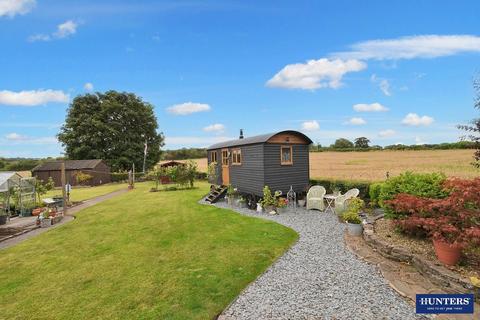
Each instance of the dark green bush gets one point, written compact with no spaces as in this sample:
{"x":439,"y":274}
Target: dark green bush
{"x":427,"y":185}
{"x":374,"y":193}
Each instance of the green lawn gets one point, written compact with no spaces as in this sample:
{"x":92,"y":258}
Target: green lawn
{"x":140,"y":255}
{"x":84,"y":193}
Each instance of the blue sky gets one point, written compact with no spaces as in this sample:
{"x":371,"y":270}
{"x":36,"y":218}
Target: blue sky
{"x":395,"y":72}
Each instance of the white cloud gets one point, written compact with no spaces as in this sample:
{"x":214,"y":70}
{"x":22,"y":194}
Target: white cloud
{"x":314,"y":74}
{"x":386,"y":133}
{"x":310,"y":125}
{"x":413,"y":119}
{"x":187,"y":108}
{"x":11,"y":8}
{"x":382,"y":83}
{"x":372,"y":107}
{"x":64,"y":30}
{"x":356,"y":121}
{"x":88,"y":86}
{"x":423,"y":46}
{"x":33,"y":97}
{"x":15,"y":137}
{"x":217,"y":128}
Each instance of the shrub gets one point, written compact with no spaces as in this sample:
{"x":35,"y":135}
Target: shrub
{"x":374,"y":193}
{"x":428,"y":185}
{"x":351,"y":217}
{"x":454,"y":219}
{"x":268,"y":199}
{"x":355,"y":206}
{"x":83,"y":178}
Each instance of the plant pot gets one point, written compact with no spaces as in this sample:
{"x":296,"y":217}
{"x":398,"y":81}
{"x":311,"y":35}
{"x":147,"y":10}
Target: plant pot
{"x":447,"y":253}
{"x":45,"y":223}
{"x":26,"y":212}
{"x":3,"y":219}
{"x":301,"y":203}
{"x":281,"y":210}
{"x":355,"y":229}
{"x":230,"y":201}
{"x":259,"y":208}
{"x":269,"y":209}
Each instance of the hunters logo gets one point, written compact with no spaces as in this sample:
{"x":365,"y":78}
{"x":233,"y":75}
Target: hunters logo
{"x":444,"y":303}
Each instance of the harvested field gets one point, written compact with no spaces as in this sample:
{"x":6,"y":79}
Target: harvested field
{"x":373,"y":165}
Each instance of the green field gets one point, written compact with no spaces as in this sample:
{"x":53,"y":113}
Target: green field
{"x":84,"y":193}
{"x":140,"y":255}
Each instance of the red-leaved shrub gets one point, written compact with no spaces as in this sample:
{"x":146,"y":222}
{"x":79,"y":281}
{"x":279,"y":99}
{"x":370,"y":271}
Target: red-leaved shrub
{"x":454,"y":219}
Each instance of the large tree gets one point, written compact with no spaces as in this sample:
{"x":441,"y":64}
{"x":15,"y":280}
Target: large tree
{"x":342,"y":143}
{"x":113,"y":126}
{"x":474,"y":126}
{"x":362,"y":142}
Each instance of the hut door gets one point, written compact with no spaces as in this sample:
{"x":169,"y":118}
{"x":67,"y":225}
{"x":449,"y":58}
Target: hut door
{"x":225,"y":167}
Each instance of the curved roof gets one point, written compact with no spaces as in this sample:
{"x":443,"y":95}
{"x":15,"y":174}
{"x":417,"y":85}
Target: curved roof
{"x":255,"y":139}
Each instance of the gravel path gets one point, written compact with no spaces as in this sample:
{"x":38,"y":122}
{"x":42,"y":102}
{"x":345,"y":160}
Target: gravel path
{"x":318,"y":278}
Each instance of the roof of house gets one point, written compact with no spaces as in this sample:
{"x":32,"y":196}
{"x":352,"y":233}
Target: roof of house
{"x":255,"y":139}
{"x":69,"y":165}
{"x":168,"y":163}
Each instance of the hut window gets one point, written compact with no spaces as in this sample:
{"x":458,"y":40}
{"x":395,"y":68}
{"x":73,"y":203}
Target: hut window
{"x":237,"y":156}
{"x":286,"y":155}
{"x":225,"y":157}
{"x":213,"y":156}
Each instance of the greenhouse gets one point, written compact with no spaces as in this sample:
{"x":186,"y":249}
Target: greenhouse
{"x":17,"y":194}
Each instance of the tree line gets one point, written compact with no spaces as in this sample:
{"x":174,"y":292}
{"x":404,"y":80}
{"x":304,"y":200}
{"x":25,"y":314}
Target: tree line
{"x":363,"y":144}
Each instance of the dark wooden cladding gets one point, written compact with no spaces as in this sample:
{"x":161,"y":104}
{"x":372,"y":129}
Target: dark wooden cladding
{"x":248,"y":176}
{"x":261,"y":163}
{"x":281,"y":177}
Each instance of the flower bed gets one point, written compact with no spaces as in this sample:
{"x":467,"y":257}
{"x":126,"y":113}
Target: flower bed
{"x":417,"y":254}
{"x":385,"y":230}
{"x":452,"y":222}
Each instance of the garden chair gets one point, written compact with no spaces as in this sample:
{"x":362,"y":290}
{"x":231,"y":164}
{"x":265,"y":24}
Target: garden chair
{"x":315,"y":198}
{"x":342,"y":201}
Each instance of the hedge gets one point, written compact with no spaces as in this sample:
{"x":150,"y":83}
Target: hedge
{"x":344,"y":186}
{"x":123,"y":176}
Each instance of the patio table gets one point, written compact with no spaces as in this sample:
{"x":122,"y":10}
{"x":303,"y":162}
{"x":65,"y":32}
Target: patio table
{"x":330,"y":199}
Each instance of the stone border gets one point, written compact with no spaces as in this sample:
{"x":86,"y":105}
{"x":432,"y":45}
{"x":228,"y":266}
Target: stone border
{"x":434,"y":271}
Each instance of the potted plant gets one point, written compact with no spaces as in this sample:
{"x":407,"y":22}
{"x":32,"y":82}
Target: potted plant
{"x":268,"y":201}
{"x":301,"y":202}
{"x":282,"y":204}
{"x":3,"y":217}
{"x":45,"y":220}
{"x":230,"y":195}
{"x":352,"y":217}
{"x":242,"y":202}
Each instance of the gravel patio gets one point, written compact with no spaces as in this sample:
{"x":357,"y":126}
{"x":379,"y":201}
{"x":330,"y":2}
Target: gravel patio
{"x":318,"y":278}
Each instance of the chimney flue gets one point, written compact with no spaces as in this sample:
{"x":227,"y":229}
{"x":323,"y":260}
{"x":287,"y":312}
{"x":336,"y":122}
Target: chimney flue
{"x":241,"y":134}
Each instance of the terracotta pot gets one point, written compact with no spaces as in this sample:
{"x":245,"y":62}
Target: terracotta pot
{"x":448,"y":254}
